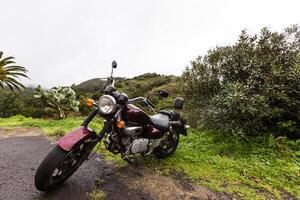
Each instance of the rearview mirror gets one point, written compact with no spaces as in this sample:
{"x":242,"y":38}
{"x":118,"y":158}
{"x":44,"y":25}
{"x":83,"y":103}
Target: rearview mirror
{"x":163,"y":93}
{"x":114,"y":64}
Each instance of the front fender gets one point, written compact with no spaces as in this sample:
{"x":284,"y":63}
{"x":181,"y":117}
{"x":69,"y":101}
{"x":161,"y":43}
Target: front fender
{"x":74,"y":137}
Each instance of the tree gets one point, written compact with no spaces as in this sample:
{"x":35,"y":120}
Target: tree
{"x":9,"y":72}
{"x":10,"y":104}
{"x":59,"y":98}
{"x":248,"y":88}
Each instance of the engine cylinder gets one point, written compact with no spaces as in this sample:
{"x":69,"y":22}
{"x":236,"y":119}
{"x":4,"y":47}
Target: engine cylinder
{"x":139,"y":146}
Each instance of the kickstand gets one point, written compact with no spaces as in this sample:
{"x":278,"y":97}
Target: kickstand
{"x":137,"y":165}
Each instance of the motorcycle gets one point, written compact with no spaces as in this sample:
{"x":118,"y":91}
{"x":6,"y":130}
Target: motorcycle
{"x":127,"y":130}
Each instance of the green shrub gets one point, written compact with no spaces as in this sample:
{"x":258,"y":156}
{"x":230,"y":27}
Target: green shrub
{"x":60,"y":99}
{"x":248,"y":87}
{"x":234,"y":111}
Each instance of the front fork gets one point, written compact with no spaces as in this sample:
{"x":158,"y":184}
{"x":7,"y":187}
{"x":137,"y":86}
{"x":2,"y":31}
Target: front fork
{"x":107,"y":124}
{"x":89,"y":118}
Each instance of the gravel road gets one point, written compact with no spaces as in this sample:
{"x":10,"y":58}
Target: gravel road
{"x":22,"y":150}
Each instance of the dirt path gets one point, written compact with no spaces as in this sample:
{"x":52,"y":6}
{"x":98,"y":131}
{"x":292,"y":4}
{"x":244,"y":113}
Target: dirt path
{"x":22,"y":149}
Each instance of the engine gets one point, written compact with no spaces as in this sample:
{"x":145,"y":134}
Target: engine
{"x":133,"y":141}
{"x":130,"y":141}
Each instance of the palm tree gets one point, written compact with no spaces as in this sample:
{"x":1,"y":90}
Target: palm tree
{"x":9,"y":73}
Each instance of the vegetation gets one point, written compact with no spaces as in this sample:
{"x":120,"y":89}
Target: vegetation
{"x":141,"y":85}
{"x":93,"y":86}
{"x":249,"y":88}
{"x":58,"y":98}
{"x":261,"y":168}
{"x":96,"y":195}
{"x":51,"y":127}
{"x":21,"y":103}
{"x":9,"y":72}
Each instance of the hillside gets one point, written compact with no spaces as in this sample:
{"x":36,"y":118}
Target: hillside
{"x":92,"y":85}
{"x":136,"y":86}
{"x":133,"y":87}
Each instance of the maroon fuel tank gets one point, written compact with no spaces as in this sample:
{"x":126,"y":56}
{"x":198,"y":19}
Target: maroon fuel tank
{"x":136,"y":115}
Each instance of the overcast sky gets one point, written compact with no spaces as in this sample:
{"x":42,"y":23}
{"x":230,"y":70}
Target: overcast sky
{"x":62,"y":42}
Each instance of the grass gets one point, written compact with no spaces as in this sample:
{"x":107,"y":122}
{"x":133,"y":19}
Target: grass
{"x":261,"y":168}
{"x":96,"y":195}
{"x":51,"y":127}
{"x":257,"y":169}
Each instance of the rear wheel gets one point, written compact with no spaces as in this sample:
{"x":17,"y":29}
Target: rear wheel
{"x":59,"y":165}
{"x":168,"y":146}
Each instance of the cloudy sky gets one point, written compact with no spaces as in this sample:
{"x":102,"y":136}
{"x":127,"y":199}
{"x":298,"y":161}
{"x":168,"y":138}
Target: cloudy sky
{"x":62,"y":42}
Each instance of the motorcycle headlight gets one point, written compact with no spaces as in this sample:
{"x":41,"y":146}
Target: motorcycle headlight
{"x":107,"y":104}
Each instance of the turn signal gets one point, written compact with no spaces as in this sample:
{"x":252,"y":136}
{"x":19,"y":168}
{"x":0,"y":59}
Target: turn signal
{"x":120,"y":124}
{"x":89,"y":102}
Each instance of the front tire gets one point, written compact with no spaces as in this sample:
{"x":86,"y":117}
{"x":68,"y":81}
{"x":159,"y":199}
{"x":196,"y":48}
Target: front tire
{"x":59,"y":165}
{"x":47,"y":167}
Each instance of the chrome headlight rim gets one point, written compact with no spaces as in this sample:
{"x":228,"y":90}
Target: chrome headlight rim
{"x":112,"y":104}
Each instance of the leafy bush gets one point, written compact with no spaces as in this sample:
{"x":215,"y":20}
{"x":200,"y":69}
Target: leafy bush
{"x":60,"y":99}
{"x":249,"y":87}
{"x":235,"y":112}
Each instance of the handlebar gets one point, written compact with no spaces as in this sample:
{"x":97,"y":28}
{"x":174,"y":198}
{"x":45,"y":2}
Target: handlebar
{"x":145,"y":100}
{"x":150,"y":103}
{"x":136,"y":99}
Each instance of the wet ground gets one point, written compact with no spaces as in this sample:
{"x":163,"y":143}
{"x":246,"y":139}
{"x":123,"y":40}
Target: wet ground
{"x":22,"y":150}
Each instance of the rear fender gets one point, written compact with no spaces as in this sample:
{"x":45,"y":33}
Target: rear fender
{"x":180,"y":126}
{"x":180,"y":129}
{"x":75,"y":137}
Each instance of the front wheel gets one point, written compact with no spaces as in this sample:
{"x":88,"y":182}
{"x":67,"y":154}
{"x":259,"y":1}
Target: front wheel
{"x":168,"y":146}
{"x":59,"y":165}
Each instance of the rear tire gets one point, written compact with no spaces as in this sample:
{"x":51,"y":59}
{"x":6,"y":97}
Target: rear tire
{"x":59,"y":165}
{"x":168,"y":147}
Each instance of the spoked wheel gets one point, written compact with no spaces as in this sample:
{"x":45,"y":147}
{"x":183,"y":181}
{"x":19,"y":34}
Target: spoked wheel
{"x":168,"y":146}
{"x":59,"y":165}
